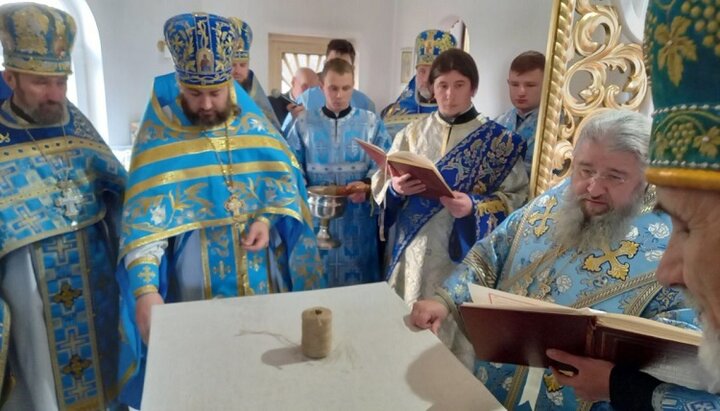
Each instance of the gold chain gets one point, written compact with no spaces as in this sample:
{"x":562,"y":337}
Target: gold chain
{"x":226,"y":171}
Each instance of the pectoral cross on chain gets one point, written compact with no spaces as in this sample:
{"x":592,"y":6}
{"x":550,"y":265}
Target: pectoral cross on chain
{"x":70,"y":199}
{"x":233,"y":206}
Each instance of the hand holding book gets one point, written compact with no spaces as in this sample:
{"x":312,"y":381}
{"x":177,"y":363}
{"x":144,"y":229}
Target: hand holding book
{"x":407,"y":167}
{"x":512,"y":329}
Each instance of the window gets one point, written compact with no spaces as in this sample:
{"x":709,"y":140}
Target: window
{"x":293,"y":61}
{"x":288,"y":53}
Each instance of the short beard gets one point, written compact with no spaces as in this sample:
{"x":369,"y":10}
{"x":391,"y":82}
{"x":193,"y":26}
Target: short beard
{"x":45,"y":114}
{"x":577,"y":231}
{"x":48,"y":113}
{"x":218,"y":117}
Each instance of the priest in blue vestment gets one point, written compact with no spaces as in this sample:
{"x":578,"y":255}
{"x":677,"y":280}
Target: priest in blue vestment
{"x":416,"y":101}
{"x":594,"y":240}
{"x":684,"y":163}
{"x":245,"y":76}
{"x":60,"y":198}
{"x":216,"y":204}
{"x":325,"y":141}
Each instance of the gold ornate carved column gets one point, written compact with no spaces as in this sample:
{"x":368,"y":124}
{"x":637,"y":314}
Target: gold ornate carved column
{"x":589,"y":69}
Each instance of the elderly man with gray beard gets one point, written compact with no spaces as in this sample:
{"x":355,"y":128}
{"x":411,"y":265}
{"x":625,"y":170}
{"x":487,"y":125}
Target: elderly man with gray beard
{"x":594,"y":240}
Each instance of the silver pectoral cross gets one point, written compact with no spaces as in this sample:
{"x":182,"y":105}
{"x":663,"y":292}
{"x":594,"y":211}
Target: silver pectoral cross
{"x":70,"y":199}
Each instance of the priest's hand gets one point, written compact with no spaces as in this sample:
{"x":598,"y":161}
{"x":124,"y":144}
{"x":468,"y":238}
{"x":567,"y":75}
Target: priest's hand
{"x":357,"y":191}
{"x":459,"y":206}
{"x":591,"y":382}
{"x":295,"y":109}
{"x":406,"y":185}
{"x":143,"y":308}
{"x":257,"y":237}
{"x":428,"y":314}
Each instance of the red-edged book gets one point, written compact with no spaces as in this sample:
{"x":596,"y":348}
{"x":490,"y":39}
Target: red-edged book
{"x":511,"y":329}
{"x":405,"y":162}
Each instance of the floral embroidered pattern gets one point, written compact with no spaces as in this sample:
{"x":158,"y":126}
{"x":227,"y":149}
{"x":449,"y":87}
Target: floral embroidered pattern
{"x":676,"y":46}
{"x":708,"y":143}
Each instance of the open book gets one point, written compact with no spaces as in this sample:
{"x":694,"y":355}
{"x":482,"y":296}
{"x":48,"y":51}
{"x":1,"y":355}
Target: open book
{"x":405,"y":162}
{"x":508,"y":328}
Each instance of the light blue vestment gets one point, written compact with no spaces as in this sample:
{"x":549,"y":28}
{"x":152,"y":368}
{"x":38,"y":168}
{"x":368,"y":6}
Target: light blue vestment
{"x":314,"y":99}
{"x":57,"y":252}
{"x":329,"y":154}
{"x":525,"y":127}
{"x":522,"y":257}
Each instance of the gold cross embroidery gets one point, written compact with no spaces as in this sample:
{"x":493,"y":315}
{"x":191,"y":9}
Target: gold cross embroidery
{"x":146,"y":274}
{"x":221,"y":270}
{"x":552,"y":383}
{"x":76,"y":367}
{"x":66,"y":296}
{"x":542,"y":217}
{"x":617,"y":269}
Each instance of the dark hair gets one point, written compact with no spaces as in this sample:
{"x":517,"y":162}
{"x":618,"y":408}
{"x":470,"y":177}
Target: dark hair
{"x":458,"y":60}
{"x":338,"y":66}
{"x":341,"y":46}
{"x":528,"y":61}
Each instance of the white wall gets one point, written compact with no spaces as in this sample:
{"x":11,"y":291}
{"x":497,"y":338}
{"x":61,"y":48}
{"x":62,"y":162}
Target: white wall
{"x":499,"y":30}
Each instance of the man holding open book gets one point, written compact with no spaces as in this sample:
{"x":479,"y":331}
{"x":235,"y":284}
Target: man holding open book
{"x":480,"y":161}
{"x":592,"y":241}
{"x":684,"y":158}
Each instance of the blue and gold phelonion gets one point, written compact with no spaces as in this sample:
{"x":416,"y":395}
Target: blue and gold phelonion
{"x":430,"y":43}
{"x":36,"y":39}
{"x":202,"y":47}
{"x":242,"y":50}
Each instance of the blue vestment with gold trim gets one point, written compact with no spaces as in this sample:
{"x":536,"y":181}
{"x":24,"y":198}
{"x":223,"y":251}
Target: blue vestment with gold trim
{"x":63,"y":226}
{"x":477,"y":165}
{"x":178,"y":193}
{"x":406,"y":109}
{"x":526,"y":127}
{"x":521,"y":256}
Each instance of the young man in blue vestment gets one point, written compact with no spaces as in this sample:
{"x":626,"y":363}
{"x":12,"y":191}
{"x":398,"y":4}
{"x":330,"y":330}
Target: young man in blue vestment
{"x":684,"y":163}
{"x":314,"y":98}
{"x":60,"y":198}
{"x":216,"y":203}
{"x":594,"y":240}
{"x":246,"y":77}
{"x":525,"y":87}
{"x":417,"y":101}
{"x":324,"y":141}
